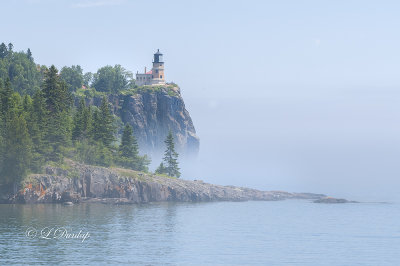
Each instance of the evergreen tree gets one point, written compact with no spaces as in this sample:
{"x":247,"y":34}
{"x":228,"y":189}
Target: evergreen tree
{"x":129,"y":147}
{"x":6,"y":98}
{"x":37,"y":126}
{"x":161,"y":169}
{"x":102,"y":155}
{"x":58,"y":135}
{"x":103,"y":124}
{"x":36,"y":129}
{"x":16,"y":102}
{"x":10,"y":48}
{"x":58,"y":103}
{"x":82,"y":121}
{"x":29,"y":54}
{"x":55,"y":91}
{"x":18,"y":146}
{"x":170,"y":159}
{"x":22,"y":71}
{"x":27,"y":104}
{"x":3,"y":50}
{"x":129,"y":152}
{"x":87,"y":122}
{"x":38,"y":118}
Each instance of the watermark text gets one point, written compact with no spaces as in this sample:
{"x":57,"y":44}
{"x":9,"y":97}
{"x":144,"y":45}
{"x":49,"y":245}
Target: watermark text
{"x":56,"y":233}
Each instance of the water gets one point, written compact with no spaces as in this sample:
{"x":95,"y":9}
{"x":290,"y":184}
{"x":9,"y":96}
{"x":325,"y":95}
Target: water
{"x":292,"y":232}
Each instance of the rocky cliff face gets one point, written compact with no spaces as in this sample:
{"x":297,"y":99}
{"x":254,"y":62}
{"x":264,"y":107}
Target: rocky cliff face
{"x":152,"y":112}
{"x":122,"y":186}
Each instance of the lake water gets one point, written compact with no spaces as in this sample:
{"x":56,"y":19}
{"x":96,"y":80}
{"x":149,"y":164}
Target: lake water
{"x":292,"y":232}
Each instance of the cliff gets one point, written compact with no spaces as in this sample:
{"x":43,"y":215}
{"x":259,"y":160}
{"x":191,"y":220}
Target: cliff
{"x":82,"y":183}
{"x":152,"y":112}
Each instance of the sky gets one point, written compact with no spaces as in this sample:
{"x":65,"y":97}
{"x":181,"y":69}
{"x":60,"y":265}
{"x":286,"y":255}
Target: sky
{"x":284,"y":95}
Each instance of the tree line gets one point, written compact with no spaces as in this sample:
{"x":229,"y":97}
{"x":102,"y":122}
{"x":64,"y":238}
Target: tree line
{"x":26,"y":76}
{"x":41,"y":125}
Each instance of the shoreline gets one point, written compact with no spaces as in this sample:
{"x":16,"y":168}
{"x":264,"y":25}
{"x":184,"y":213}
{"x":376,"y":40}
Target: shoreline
{"x":94,"y":184}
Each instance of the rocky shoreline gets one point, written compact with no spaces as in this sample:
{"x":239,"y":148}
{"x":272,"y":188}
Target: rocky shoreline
{"x":92,"y":184}
{"x":331,"y":200}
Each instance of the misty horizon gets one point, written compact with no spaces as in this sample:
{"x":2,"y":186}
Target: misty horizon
{"x":282,"y":96}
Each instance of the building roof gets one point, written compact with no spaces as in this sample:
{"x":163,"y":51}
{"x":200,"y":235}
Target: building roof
{"x":158,"y":52}
{"x":149,"y":72}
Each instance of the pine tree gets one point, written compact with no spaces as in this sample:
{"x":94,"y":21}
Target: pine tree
{"x":29,"y":54}
{"x":58,"y":135}
{"x":103,"y":124}
{"x":82,"y":121}
{"x":129,"y":147}
{"x":10,"y":48}
{"x":27,"y":104}
{"x":18,"y":146}
{"x":161,"y":169}
{"x":170,"y":165}
{"x":37,"y":127}
{"x":58,"y":98}
{"x":38,"y":118}
{"x":58,"y":103}
{"x":87,"y":121}
{"x":129,"y":152}
{"x":3,"y":50}
{"x":6,"y":98}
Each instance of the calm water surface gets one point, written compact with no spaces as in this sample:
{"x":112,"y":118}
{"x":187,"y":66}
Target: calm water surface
{"x":241,"y":233}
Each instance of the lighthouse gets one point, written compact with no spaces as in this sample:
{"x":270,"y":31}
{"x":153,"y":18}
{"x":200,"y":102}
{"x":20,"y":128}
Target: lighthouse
{"x":158,"y":69}
{"x":156,"y":75}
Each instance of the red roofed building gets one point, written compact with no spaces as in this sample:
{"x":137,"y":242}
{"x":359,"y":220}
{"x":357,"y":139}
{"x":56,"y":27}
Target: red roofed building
{"x":156,"y":75}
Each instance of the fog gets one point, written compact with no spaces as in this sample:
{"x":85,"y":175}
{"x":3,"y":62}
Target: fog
{"x":344,"y":143}
{"x":285,"y":95}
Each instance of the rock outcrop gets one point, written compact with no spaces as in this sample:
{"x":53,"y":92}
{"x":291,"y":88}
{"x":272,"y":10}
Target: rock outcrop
{"x":333,"y":200}
{"x":152,"y":112}
{"x":116,"y":185}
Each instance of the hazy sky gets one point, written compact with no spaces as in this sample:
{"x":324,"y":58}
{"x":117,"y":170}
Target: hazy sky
{"x":291,"y":95}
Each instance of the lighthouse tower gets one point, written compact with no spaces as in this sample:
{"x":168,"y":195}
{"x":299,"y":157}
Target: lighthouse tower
{"x":155,"y":76}
{"x":158,"y":69}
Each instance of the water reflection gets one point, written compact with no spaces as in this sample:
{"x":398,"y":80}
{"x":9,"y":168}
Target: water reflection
{"x":229,"y":233}
{"x":113,"y":230}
